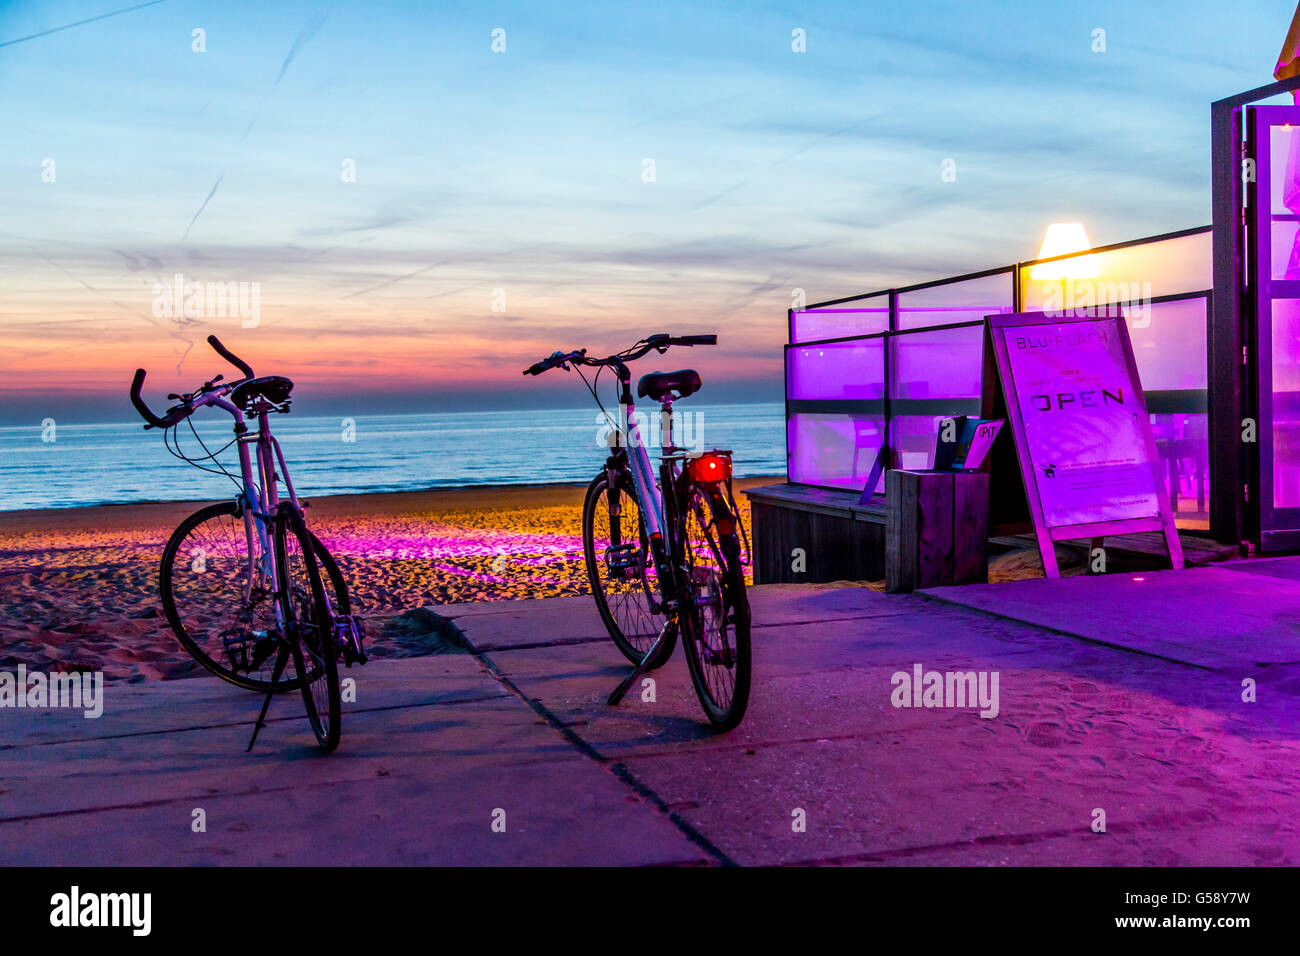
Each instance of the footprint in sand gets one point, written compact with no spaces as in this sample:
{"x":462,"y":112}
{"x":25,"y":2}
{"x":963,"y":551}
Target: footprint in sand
{"x":1045,"y":734}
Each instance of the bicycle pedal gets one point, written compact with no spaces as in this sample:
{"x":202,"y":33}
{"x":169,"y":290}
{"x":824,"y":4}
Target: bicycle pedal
{"x":263,"y":648}
{"x":622,"y":558}
{"x":238,"y":647}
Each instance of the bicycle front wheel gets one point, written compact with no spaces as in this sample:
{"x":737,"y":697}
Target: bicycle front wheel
{"x":621,"y":569}
{"x":308,"y":625}
{"x":715,"y":614}
{"x":218,"y":596}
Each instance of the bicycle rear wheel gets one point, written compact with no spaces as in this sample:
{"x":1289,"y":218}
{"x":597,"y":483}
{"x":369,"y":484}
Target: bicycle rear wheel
{"x":309,"y":625}
{"x":621,"y":569}
{"x":715,"y":614}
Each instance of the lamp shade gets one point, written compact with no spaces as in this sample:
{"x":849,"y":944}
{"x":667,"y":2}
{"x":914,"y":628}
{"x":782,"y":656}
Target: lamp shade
{"x":1063,"y":238}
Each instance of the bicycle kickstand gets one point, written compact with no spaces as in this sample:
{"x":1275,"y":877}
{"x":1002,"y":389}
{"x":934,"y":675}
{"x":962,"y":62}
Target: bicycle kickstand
{"x":281,"y":659}
{"x":640,"y":669}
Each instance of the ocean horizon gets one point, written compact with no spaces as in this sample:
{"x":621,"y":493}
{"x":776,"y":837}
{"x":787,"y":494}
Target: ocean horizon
{"x":76,"y":465}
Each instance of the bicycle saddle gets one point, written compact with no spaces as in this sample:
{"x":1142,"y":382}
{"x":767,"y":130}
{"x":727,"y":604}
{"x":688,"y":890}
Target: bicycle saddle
{"x":274,"y":388}
{"x":661,"y":385}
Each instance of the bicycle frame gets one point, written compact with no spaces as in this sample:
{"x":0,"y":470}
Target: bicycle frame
{"x":259,"y":499}
{"x":658,"y":505}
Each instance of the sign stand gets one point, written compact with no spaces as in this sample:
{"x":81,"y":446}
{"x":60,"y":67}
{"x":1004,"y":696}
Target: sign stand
{"x":1082,"y":434}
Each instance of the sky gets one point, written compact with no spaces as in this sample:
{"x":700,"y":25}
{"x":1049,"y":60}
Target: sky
{"x":416,"y":216}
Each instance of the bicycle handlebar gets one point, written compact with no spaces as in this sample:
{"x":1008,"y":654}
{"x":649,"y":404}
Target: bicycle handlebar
{"x":230,"y":356}
{"x":660,"y":341}
{"x":154,"y":421}
{"x":179,"y":412}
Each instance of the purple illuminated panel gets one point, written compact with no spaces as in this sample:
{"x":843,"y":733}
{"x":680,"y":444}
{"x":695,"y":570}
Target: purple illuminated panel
{"x":1184,"y":446}
{"x":835,"y":448}
{"x":837,"y":451}
{"x":946,"y":363}
{"x":951,"y":302}
{"x":1169,"y":343}
{"x":838,"y":370}
{"x":861,"y":317}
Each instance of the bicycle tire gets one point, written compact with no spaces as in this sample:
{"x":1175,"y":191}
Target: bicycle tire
{"x":646,"y":622}
{"x":705,"y":635}
{"x":316,"y":634}
{"x":167,"y":592}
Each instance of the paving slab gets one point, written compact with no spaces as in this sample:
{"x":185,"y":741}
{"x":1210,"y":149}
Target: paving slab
{"x":412,"y":788}
{"x":1288,"y":568}
{"x":431,"y":748}
{"x":158,"y":707}
{"x":1208,"y":617}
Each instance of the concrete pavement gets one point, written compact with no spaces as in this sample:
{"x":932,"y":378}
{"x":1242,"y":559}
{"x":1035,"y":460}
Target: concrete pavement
{"x":824,"y":770}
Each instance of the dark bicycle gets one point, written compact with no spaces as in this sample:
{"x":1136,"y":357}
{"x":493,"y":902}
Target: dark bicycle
{"x":241,"y":580}
{"x":664,"y":552}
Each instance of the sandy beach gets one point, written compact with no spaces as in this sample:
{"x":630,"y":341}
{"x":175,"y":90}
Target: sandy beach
{"x":80,"y":585}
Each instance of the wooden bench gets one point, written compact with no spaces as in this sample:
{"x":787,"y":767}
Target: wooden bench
{"x":803,"y":535}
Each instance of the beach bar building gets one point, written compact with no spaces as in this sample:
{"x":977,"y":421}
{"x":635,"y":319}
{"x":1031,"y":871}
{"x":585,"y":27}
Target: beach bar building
{"x":1213,"y":314}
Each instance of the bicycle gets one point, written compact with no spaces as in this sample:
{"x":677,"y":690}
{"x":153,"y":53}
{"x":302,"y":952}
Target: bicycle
{"x":663,"y":553}
{"x":241,"y":580}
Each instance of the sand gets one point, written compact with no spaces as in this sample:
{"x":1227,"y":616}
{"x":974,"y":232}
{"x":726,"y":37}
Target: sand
{"x":79,"y":586}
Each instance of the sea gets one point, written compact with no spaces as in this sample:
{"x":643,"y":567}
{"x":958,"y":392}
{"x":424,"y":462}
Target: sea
{"x":57,"y":465}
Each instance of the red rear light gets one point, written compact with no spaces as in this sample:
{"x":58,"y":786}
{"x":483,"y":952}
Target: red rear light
{"x":710,"y":468}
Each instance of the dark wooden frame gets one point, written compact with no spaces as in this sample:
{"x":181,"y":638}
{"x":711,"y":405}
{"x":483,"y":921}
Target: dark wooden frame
{"x":1048,"y":535}
{"x":1233,"y":463}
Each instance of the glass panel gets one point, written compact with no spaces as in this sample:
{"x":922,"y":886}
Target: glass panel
{"x":1169,"y":344}
{"x":955,"y":301}
{"x":858,"y":318}
{"x":835,"y":450}
{"x":913,"y":439}
{"x":841,"y":370}
{"x":1184,"y":447}
{"x":942,"y":364}
{"x":1286,"y":403}
{"x":1143,"y":271}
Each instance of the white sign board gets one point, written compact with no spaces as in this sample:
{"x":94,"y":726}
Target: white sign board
{"x":1080,"y":424}
{"x":1083,"y":422}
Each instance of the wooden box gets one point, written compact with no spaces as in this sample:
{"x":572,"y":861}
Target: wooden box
{"x":936,"y":528}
